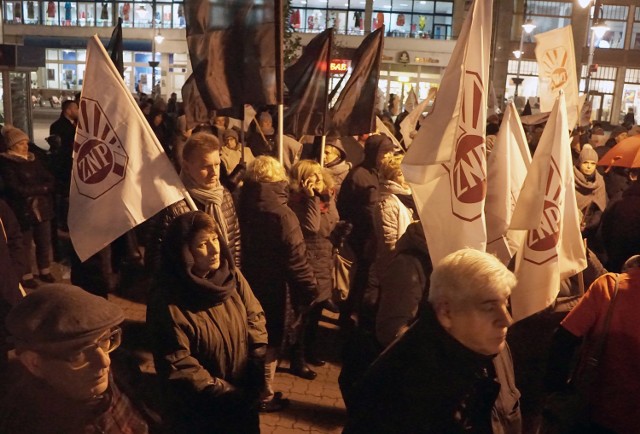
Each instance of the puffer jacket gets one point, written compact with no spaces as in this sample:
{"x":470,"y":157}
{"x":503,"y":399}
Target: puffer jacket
{"x":29,"y":188}
{"x":274,"y":253}
{"x":160,"y":222}
{"x":318,"y":217}
{"x":394,"y":219}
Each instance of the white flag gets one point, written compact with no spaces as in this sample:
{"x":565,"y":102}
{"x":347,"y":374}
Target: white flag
{"x":507,"y":168}
{"x":547,"y":209}
{"x":557,"y":71}
{"x":121,"y":175}
{"x":382,"y":128}
{"x":408,"y":124}
{"x":411,"y":101}
{"x":446,"y":163}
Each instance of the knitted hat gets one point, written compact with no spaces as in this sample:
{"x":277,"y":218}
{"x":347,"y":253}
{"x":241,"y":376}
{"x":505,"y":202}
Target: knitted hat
{"x":230,"y":132}
{"x":587,"y":154}
{"x":265,"y":116}
{"x":13,"y":135}
{"x":60,"y":318}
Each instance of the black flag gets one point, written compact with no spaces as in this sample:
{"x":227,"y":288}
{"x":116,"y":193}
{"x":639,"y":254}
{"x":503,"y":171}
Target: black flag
{"x":307,"y":81}
{"x":115,"y":48}
{"x":232,"y":50}
{"x":353,"y":113}
{"x":195,"y":109}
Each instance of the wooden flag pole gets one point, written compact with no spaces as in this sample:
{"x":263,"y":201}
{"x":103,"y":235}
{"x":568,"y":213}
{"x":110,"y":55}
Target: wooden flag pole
{"x":279,"y":41}
{"x":323,"y":143}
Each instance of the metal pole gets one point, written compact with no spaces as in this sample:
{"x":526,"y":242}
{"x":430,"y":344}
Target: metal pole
{"x":279,"y":30}
{"x":518,"y":80}
{"x":597,"y":9}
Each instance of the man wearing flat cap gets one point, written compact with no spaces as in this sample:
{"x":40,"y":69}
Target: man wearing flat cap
{"x":63,"y":337}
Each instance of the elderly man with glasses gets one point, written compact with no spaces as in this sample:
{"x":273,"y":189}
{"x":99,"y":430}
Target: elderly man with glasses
{"x":63,"y":383}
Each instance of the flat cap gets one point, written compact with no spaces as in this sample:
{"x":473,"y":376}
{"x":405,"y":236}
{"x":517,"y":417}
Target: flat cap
{"x":59,"y":318}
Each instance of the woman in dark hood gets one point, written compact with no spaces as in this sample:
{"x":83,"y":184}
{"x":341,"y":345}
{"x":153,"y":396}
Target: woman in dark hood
{"x":209,"y":331}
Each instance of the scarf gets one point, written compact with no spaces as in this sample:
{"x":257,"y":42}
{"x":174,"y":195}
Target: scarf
{"x":215,"y":287}
{"x":211,"y":198}
{"x":589,"y":191}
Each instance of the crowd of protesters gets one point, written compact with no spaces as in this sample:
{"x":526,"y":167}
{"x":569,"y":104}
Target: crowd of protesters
{"x":242,"y":282}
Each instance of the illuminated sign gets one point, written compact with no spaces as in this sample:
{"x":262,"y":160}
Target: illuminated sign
{"x":339,"y":66}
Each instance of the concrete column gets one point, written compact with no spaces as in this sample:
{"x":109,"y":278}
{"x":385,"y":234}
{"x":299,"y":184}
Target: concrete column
{"x":459,"y":15}
{"x":581,"y":31}
{"x":368,"y":16}
{"x":501,"y":46}
{"x":616,"y":104}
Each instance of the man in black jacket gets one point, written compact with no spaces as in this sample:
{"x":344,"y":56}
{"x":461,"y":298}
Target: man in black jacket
{"x":62,"y":157}
{"x":439,"y":377}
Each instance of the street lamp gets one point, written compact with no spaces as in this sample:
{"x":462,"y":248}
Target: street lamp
{"x":153,"y":63}
{"x":527,"y":28}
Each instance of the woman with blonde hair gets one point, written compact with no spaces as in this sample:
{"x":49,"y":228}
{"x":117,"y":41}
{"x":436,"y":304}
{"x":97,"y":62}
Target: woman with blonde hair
{"x":312,"y":198}
{"x":274,"y":256}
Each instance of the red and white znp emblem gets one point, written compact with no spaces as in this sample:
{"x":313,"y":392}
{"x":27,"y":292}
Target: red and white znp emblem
{"x":100,"y":159}
{"x":469,"y":171}
{"x":542,"y":241}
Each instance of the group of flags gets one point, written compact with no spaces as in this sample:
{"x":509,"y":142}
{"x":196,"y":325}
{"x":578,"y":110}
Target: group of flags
{"x":509,"y":205}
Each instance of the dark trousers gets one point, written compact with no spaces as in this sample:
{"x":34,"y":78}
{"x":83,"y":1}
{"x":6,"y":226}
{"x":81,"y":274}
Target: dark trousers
{"x":40,"y":234}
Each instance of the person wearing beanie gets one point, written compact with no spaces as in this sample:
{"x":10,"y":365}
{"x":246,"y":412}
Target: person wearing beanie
{"x":29,"y":188}
{"x":591,"y":194}
{"x":233,"y":164}
{"x":63,"y":383}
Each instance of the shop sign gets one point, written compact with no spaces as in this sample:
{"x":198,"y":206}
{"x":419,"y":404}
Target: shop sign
{"x":339,"y":66}
{"x":403,"y":57}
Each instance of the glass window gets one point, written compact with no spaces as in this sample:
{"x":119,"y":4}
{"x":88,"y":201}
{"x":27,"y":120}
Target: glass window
{"x":425,"y":7}
{"x":13,"y":12}
{"x":616,"y":19}
{"x":400,"y":24}
{"x":546,"y":15}
{"x":635,"y":35}
{"x":69,"y":13}
{"x":444,"y":8}
{"x":338,"y":20}
{"x":163,"y":16}
{"x":31,"y":13}
{"x":316,"y":20}
{"x":86,"y":14}
{"x":143,"y":15}
{"x":379,"y":19}
{"x":125,"y":12}
{"x":105,"y":14}
{"x":402,"y":5}
{"x":338,"y":4}
{"x":50,"y":12}
{"x":355,"y":23}
{"x":422,"y":26}
{"x":178,"y":16}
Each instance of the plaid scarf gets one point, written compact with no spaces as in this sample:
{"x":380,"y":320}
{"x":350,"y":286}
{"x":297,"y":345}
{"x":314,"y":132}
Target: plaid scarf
{"x":119,"y":417}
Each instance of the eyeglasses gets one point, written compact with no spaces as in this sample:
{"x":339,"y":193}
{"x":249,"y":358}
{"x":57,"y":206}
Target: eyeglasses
{"x":107,"y":343}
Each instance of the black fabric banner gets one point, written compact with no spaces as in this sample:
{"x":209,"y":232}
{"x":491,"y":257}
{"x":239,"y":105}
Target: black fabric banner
{"x":353,"y":113}
{"x":307,"y":82}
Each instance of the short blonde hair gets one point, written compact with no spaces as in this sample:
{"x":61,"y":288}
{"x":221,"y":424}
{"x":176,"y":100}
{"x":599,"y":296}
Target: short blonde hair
{"x":265,"y":169}
{"x":303,"y":169}
{"x":390,"y":168}
{"x":465,"y":275}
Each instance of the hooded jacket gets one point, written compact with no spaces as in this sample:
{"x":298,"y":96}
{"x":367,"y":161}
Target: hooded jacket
{"x":29,"y":189}
{"x":204,"y":330}
{"x":274,"y":252}
{"x":620,"y":230}
{"x":360,"y":195}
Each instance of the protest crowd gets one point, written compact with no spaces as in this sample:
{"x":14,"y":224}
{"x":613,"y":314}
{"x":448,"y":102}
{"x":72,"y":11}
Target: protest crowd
{"x":452,"y":314}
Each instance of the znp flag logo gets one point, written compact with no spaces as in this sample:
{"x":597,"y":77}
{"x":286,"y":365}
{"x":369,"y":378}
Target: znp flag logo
{"x":100,"y":159}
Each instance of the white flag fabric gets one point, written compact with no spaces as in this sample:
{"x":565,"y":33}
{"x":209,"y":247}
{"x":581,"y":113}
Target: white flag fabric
{"x":408,"y":124}
{"x":556,"y":59}
{"x":120,"y":176}
{"x":446,"y":163}
{"x":382,"y":128}
{"x":411,"y":101}
{"x":507,"y":168}
{"x":553,"y":249}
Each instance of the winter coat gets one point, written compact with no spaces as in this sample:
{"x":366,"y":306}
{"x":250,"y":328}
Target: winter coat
{"x":358,"y":203}
{"x":339,"y":167}
{"x":62,"y":158}
{"x":395,"y":217}
{"x":403,"y":285}
{"x":318,"y":217}
{"x":28,"y":189}
{"x":427,"y":382}
{"x":160,"y":222}
{"x":591,"y":197}
{"x":274,"y":253}
{"x":204,"y":330}
{"x":620,"y":228}
{"x":13,"y":259}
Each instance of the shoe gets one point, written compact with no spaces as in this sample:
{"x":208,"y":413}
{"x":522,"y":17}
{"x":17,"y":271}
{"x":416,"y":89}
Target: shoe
{"x":30,"y":283}
{"x":315,"y":361}
{"x":303,"y":371}
{"x":47,"y":278}
{"x":275,"y":404}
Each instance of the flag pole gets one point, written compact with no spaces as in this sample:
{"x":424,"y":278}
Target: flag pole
{"x":279,"y":41}
{"x":323,"y":143}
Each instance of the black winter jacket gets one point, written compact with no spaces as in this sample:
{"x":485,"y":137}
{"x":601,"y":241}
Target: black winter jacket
{"x":28,"y":189}
{"x":274,"y":253}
